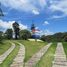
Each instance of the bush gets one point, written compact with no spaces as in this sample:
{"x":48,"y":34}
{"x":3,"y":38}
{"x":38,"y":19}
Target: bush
{"x":25,"y":34}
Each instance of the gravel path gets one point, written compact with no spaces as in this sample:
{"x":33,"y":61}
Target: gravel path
{"x":4,"y":56}
{"x":19,"y":59}
{"x":60,"y":57}
{"x":36,"y":57}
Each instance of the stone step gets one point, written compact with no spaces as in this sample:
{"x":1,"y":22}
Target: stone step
{"x":36,"y":57}
{"x":60,"y":57}
{"x":19,"y":59}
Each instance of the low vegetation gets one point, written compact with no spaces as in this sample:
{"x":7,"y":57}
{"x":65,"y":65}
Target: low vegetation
{"x":5,"y":45}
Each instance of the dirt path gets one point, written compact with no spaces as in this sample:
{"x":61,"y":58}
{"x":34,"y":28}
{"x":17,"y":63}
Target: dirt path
{"x":4,"y":56}
{"x":60,"y":57}
{"x":19,"y":59}
{"x":36,"y":57}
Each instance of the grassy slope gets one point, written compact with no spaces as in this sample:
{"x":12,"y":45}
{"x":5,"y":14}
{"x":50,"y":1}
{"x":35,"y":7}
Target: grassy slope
{"x":4,"y":46}
{"x":65,"y":47}
{"x":32,"y":48}
{"x":10,"y":58}
{"x":47,"y":59}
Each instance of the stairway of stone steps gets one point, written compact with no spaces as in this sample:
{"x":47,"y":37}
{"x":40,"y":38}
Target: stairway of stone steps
{"x":36,"y":57}
{"x":60,"y":57}
{"x":19,"y":59}
{"x":4,"y":55}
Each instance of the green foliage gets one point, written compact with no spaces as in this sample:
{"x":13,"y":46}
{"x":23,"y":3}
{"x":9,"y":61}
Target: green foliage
{"x":43,"y":38}
{"x":1,"y":36}
{"x":58,"y":37}
{"x":25,"y":34}
{"x":48,"y":38}
{"x":9,"y":33}
{"x":65,"y":47}
{"x":65,"y":39}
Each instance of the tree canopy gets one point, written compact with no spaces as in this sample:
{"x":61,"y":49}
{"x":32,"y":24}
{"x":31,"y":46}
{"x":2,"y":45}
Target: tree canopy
{"x":9,"y":33}
{"x":25,"y":34}
{"x":58,"y":37}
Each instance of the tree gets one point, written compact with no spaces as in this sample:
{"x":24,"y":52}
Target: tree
{"x":16,"y":30}
{"x":65,"y":36}
{"x":43,"y":38}
{"x":1,"y":36}
{"x":58,"y":36}
{"x":9,"y":33}
{"x":47,"y":38}
{"x":25,"y":34}
{"x":65,"y":39}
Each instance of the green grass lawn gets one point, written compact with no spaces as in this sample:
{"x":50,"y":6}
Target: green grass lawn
{"x":31,"y":48}
{"x":47,"y":59}
{"x":10,"y":58}
{"x":65,"y":47}
{"x":4,"y":46}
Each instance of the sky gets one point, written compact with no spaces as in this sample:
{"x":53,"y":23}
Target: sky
{"x":49,"y":16}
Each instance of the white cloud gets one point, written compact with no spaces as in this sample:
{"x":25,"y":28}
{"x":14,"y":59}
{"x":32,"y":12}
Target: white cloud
{"x":35,"y":12}
{"x":46,"y":22}
{"x":37,"y":28}
{"x":5,"y":25}
{"x":42,"y":3}
{"x":35,"y":6}
{"x":22,"y":26}
{"x":57,"y":17}
{"x":24,"y":5}
{"x":59,"y":6}
{"x":46,"y":32}
{"x":19,"y":5}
